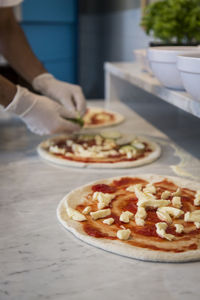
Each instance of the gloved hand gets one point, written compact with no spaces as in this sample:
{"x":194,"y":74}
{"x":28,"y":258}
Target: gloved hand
{"x":41,"y":115}
{"x":70,"y":95}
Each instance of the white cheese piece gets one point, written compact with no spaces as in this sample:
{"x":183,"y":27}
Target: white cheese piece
{"x":110,"y":143}
{"x":100,"y":213}
{"x":113,"y":152}
{"x":103,"y":198}
{"x":161,"y":231}
{"x":140,"y":216}
{"x":179,"y":228}
{"x":165,"y":213}
{"x":68,"y":154}
{"x":126,"y":216}
{"x":138,"y":145}
{"x":98,"y":140}
{"x":164,"y":216}
{"x":57,"y":150}
{"x":192,"y":216}
{"x":131,"y":188}
{"x":176,"y":201}
{"x":149,"y":189}
{"x":177,"y":193}
{"x":165,"y":195}
{"x":197,"y":224}
{"x":69,"y":143}
{"x":108,"y":221}
{"x":103,"y":117}
{"x":197,"y":198}
{"x":148,"y":199}
{"x":129,"y":155}
{"x":75,"y":214}
{"x":123,"y":234}
{"x":86,"y":210}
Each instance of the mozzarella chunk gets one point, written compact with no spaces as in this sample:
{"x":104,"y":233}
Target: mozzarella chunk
{"x":197,"y":224}
{"x":197,"y":198}
{"x":164,"y":216}
{"x":68,"y":154}
{"x":113,"y":152}
{"x":69,"y":143}
{"x":172,"y":211}
{"x":123,"y":234}
{"x":176,"y":201}
{"x":148,"y":200}
{"x":131,"y":188}
{"x":138,"y":145}
{"x":161,"y":231}
{"x":179,"y":228}
{"x":108,"y":221}
{"x":57,"y":150}
{"x":129,"y":155}
{"x":103,"y":117}
{"x":98,"y":140}
{"x":177,"y":193}
{"x":165,"y":195}
{"x":75,"y":214}
{"x":103,"y":198}
{"x":126,"y":216}
{"x":192,"y":216}
{"x":100,"y":213}
{"x":152,"y":203}
{"x":86,"y":210}
{"x":149,"y":189}
{"x":165,"y":213}
{"x":140,"y":216}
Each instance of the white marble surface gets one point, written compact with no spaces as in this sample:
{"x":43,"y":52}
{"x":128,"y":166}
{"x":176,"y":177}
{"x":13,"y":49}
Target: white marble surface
{"x":132,"y":73}
{"x":41,"y":260}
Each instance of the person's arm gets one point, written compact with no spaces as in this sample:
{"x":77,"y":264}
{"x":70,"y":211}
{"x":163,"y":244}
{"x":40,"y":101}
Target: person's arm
{"x":7,"y":91}
{"x":40,"y":114}
{"x":15,"y":48}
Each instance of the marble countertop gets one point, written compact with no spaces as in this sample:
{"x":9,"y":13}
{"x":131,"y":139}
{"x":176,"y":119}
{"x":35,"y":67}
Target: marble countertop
{"x":41,"y":260}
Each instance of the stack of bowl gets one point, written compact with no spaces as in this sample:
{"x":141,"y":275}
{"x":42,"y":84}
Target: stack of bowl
{"x":163,"y":62}
{"x":189,"y":68}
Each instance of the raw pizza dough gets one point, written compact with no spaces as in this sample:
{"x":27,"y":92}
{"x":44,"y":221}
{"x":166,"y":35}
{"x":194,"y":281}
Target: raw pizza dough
{"x":148,"y":158}
{"x":102,"y":118}
{"x":125,"y":248}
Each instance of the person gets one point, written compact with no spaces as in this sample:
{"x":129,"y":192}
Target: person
{"x":46,"y":113}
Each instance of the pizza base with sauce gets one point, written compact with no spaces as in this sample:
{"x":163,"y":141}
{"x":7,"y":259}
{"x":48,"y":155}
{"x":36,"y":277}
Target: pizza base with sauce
{"x":144,"y":242}
{"x":94,"y":151}
{"x":96,"y":117}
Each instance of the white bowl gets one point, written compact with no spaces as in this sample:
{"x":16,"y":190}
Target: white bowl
{"x":189,"y":68}
{"x":163,"y":64}
{"x":141,"y":58}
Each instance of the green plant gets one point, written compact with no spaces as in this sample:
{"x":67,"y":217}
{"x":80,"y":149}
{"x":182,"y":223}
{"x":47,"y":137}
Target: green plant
{"x":173,"y":21}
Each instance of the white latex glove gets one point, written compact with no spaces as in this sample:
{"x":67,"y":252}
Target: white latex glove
{"x":70,"y":95}
{"x":41,"y":115}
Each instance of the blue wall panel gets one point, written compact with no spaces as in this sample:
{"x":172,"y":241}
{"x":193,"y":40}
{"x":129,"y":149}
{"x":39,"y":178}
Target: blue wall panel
{"x":51,"y":29}
{"x":49,"y":10}
{"x":63,"y":70}
{"x":51,"y":41}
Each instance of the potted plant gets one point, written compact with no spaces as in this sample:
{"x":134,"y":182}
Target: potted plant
{"x":173,"y":22}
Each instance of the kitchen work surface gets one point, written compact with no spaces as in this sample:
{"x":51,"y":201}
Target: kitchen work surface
{"x":41,"y":260}
{"x":132,"y":73}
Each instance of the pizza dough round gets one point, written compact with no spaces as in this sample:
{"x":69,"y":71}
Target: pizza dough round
{"x":152,"y":156}
{"x":118,"y":118}
{"x":76,"y":197}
